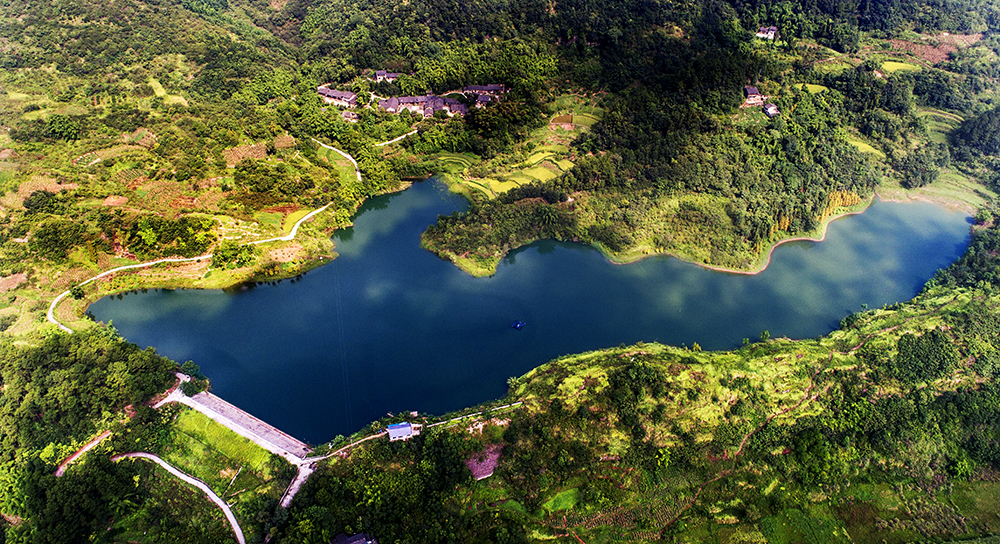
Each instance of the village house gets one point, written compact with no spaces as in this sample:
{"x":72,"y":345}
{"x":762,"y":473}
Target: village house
{"x":493,"y":89}
{"x":382,"y":75}
{"x":753,"y":96}
{"x":360,"y":538}
{"x":767,"y":32}
{"x":344,"y":99}
{"x":483,"y":100}
{"x":350,"y":117}
{"x":403,"y":431}
{"x":771,"y":110}
{"x":425,"y":106}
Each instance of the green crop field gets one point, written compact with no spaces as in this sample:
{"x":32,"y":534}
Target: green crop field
{"x":212,"y":435}
{"x":813,"y":88}
{"x":893,"y":67}
{"x":292,"y":218}
{"x":865,"y":148}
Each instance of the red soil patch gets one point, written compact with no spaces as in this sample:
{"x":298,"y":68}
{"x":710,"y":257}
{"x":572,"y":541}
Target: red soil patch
{"x":483,"y":464}
{"x":184,"y":202}
{"x":141,"y":136}
{"x":6,"y":154}
{"x":115,"y":200}
{"x":283,"y":209}
{"x":235,"y":155}
{"x":929,"y":53}
{"x":937,"y":48}
{"x":284,"y":142}
{"x":286,"y":254}
{"x":11,"y":282}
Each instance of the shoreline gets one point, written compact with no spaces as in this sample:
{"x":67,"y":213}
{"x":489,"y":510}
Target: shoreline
{"x":765,"y":262}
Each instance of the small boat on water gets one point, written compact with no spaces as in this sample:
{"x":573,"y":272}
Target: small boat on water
{"x":517,"y":325}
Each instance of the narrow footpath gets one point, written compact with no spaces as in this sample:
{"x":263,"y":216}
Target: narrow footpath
{"x":195,"y":482}
{"x":394,"y":140}
{"x":62,"y":466}
{"x":357,"y":171}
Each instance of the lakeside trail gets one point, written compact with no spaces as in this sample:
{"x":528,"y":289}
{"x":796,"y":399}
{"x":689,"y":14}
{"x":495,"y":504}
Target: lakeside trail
{"x":51,"y":317}
{"x":237,"y":531}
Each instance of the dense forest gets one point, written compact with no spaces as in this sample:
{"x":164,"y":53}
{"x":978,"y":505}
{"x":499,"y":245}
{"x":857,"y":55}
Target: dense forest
{"x":135,"y":131}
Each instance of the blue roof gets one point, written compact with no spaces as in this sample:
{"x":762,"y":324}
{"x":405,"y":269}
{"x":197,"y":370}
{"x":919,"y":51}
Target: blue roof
{"x":403,"y":425}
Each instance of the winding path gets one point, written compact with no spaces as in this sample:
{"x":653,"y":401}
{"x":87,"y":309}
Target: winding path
{"x":195,"y":482}
{"x":62,"y":466}
{"x":357,"y":171}
{"x":50,"y":315}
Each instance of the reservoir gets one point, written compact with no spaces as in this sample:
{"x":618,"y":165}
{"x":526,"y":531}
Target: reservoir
{"x":388,"y":326}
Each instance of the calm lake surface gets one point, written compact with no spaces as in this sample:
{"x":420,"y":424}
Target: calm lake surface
{"x":388,"y":327}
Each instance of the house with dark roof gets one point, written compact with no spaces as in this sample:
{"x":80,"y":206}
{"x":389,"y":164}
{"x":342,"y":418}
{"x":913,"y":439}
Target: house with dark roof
{"x":425,"y":106}
{"x":771,"y":110}
{"x":344,"y":99}
{"x":753,"y":96}
{"x":493,"y":89}
{"x":350,"y":117}
{"x":382,"y":75}
{"x":767,"y":32}
{"x":483,"y":100}
{"x":360,"y":538}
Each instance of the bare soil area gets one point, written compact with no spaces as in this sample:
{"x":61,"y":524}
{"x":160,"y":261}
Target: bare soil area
{"x":936,"y":49}
{"x":11,"y":282}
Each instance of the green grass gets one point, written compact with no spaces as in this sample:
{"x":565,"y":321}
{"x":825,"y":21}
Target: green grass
{"x":540,"y":173}
{"x":865,"y":148}
{"x":892,"y":67}
{"x":557,"y":148}
{"x":832,"y":67}
{"x":565,"y":500}
{"x":584,"y":119}
{"x":939,"y":123}
{"x":214,"y":436}
{"x":564,"y":164}
{"x":538,"y":157}
{"x":157,"y":87}
{"x":815,"y":89}
{"x":292,"y":218}
{"x":270,"y":219}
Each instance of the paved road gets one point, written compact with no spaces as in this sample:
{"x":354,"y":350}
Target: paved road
{"x":195,"y":482}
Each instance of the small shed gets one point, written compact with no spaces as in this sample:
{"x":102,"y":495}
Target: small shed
{"x":400,"y":431}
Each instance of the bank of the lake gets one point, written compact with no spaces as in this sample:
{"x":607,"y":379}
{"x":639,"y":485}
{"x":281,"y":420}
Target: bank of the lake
{"x":388,"y":327}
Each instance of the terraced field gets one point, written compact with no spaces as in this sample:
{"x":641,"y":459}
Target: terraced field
{"x":939,"y":123}
{"x":548,"y":152}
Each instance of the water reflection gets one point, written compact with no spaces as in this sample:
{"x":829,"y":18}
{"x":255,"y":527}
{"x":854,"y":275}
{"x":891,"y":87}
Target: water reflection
{"x":389,"y":327}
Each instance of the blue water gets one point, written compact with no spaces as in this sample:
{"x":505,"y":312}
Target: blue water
{"x":388,"y":327}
